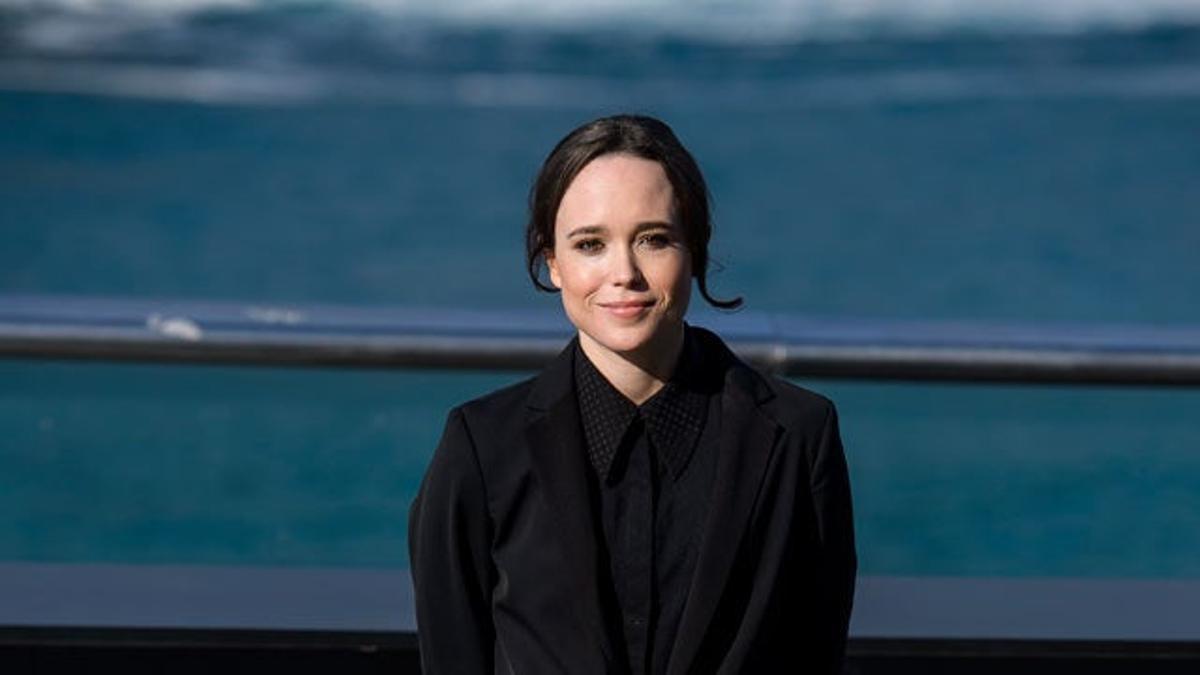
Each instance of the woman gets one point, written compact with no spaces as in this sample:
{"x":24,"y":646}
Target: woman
{"x":648,"y":503}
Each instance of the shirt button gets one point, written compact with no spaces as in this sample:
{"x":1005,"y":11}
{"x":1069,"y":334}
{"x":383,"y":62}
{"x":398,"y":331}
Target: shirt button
{"x":636,"y":620}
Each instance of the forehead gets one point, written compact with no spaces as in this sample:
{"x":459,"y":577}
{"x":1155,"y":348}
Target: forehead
{"x":617,"y":189}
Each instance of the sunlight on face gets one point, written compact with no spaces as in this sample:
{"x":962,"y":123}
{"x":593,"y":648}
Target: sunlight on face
{"x":620,"y":259}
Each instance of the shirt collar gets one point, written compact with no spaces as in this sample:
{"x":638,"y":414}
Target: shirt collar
{"x":673,"y":417}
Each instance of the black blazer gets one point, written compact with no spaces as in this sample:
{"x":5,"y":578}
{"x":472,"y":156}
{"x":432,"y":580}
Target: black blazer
{"x":505,"y":553}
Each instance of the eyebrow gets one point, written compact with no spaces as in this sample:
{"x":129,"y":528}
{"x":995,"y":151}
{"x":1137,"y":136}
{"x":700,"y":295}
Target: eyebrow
{"x":641,"y":227}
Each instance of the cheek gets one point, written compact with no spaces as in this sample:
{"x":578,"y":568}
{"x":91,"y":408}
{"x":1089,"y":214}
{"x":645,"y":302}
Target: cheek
{"x":577,"y":279}
{"x":676,"y":277}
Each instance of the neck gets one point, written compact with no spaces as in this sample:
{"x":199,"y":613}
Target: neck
{"x":637,"y":375}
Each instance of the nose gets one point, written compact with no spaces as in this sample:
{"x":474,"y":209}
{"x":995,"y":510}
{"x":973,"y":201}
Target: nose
{"x":625,"y":269}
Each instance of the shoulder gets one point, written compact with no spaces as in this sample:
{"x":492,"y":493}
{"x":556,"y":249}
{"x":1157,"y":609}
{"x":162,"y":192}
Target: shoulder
{"x":499,"y":402}
{"x":472,"y":433}
{"x":485,"y":414}
{"x":808,"y":421}
{"x":791,"y":406}
{"x":796,"y":407}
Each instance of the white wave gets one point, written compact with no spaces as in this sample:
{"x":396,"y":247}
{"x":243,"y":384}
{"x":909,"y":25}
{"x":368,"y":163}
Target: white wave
{"x":179,"y":327}
{"x":131,"y":6}
{"x":166,"y":83}
{"x":515,"y":90}
{"x":719,"y":19}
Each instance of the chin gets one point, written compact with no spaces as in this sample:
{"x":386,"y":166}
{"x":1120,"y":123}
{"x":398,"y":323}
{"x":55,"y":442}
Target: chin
{"x":621,"y":344}
{"x":627,"y":339}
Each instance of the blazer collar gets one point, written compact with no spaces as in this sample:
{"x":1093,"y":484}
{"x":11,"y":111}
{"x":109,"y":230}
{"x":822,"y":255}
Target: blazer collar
{"x":747,"y":439}
{"x":555,"y":437}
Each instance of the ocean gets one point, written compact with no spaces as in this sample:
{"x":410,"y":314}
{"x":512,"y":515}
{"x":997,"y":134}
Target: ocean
{"x":991,"y":162}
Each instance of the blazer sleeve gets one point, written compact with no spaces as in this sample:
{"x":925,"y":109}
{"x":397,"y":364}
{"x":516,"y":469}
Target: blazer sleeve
{"x":449,"y":541}
{"x":838,"y":564}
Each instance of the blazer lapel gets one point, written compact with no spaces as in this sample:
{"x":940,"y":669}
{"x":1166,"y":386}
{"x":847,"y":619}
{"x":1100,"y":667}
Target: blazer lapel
{"x":747,"y":437}
{"x":555,"y":438}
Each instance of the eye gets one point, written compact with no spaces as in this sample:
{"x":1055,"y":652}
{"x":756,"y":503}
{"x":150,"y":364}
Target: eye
{"x":590,"y":245}
{"x":655,"y":240}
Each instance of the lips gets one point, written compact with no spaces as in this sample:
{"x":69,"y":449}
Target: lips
{"x":627,"y":308}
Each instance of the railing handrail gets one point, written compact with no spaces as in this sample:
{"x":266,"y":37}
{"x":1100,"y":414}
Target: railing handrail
{"x":58,"y":327}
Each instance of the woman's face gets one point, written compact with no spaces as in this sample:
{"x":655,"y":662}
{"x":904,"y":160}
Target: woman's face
{"x":620,"y":259}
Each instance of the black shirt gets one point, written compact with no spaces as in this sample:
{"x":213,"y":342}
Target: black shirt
{"x":653,"y":468}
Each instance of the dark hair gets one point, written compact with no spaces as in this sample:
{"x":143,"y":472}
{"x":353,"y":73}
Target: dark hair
{"x":636,"y":135}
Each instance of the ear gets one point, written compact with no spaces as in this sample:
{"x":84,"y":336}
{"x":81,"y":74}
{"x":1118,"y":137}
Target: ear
{"x":552,"y":267}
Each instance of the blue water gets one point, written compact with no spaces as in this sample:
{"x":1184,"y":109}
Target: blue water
{"x":863,"y":168}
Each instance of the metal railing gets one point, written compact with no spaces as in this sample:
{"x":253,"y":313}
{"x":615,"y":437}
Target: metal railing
{"x":53,"y":327}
